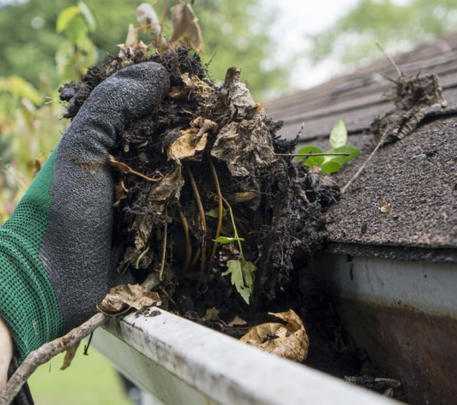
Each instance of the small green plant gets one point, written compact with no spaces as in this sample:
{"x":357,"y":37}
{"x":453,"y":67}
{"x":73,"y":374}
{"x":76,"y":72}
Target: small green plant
{"x":77,"y":52}
{"x":341,"y":150}
{"x":241,"y":270}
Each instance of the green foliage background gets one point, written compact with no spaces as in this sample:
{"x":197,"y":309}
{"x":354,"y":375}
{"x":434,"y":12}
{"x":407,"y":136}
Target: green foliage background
{"x":35,"y":59}
{"x":234,"y":31}
{"x":396,"y":25}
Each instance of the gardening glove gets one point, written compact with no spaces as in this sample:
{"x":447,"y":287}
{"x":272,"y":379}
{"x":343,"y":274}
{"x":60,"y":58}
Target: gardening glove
{"x":55,"y":250}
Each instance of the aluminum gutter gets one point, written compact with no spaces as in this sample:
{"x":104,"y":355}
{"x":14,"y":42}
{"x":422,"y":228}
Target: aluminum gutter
{"x":404,"y":314}
{"x":181,"y":362}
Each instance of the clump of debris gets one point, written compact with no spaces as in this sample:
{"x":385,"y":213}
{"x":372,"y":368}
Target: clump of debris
{"x":205,"y":198}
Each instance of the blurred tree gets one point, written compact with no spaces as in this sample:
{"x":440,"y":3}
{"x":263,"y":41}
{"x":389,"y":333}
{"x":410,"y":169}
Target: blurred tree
{"x":396,"y":25}
{"x":233,"y":31}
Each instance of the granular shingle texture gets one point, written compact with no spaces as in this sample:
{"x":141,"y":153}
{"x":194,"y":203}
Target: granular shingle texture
{"x":407,"y":196}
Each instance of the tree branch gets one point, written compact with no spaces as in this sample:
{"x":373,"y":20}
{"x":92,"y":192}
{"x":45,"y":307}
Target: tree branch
{"x":44,"y":353}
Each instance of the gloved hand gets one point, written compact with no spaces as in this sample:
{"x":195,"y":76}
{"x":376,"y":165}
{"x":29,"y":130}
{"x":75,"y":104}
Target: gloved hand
{"x":55,"y":250}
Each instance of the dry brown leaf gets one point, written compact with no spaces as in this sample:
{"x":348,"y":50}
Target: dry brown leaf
{"x":69,"y":356}
{"x":187,"y":145}
{"x":124,"y":296}
{"x":237,"y":321}
{"x":185,"y":26}
{"x":241,"y":102}
{"x":146,"y":15}
{"x":132,"y":46}
{"x":290,"y":340}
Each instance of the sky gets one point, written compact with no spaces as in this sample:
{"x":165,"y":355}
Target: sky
{"x":295,"y":20}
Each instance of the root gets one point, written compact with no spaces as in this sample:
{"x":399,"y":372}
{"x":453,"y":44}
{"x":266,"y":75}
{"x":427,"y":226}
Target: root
{"x":202,"y":218}
{"x":185,"y":227}
{"x":164,"y":251}
{"x":220,"y":207}
{"x":125,"y":168}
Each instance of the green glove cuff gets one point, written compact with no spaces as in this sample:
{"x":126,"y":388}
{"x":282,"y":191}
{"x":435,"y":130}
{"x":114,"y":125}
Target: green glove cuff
{"x":28,"y":303}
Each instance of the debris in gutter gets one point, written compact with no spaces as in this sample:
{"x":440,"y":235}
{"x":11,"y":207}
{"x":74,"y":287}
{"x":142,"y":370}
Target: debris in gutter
{"x":288,"y":339}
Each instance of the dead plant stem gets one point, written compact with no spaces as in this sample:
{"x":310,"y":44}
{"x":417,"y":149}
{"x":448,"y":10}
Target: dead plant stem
{"x":361,"y":168}
{"x":220,"y":206}
{"x":312,"y":154}
{"x":44,"y":353}
{"x":164,"y":250}
{"x":235,"y":230}
{"x":202,"y":218}
{"x":188,"y":247}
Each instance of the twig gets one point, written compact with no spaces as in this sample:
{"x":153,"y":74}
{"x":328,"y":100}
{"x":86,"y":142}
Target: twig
{"x":361,"y":168}
{"x":185,"y":227}
{"x":313,"y":154}
{"x":125,"y":168}
{"x":202,"y":218}
{"x":389,"y":58}
{"x":220,"y":207}
{"x":164,"y":250}
{"x":45,"y":353}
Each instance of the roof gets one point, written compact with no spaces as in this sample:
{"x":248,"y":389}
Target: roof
{"x":414,"y":180}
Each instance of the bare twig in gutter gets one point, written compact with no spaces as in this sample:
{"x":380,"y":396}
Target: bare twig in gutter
{"x":46,"y":352}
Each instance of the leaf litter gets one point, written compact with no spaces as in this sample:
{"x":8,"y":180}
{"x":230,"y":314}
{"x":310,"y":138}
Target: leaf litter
{"x":202,"y":196}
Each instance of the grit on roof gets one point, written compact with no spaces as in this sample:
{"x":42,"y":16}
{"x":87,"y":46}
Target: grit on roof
{"x":407,"y":196}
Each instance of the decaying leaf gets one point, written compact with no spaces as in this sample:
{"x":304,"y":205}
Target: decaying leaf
{"x":241,"y":103}
{"x":413,"y":96}
{"x":167,"y":189}
{"x":146,"y":16}
{"x":237,"y":321}
{"x":245,"y":146}
{"x":132,"y":46}
{"x":290,"y":340}
{"x":70,"y":354}
{"x":126,"y":296}
{"x":242,"y":277}
{"x":185,"y":26}
{"x":187,"y":145}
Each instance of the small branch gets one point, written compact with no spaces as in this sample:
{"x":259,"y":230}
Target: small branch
{"x":202,"y":218}
{"x":125,"y":168}
{"x":361,"y":168}
{"x":388,"y":57}
{"x":313,"y":154}
{"x":220,"y":207}
{"x":185,"y":227}
{"x":45,"y":353}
